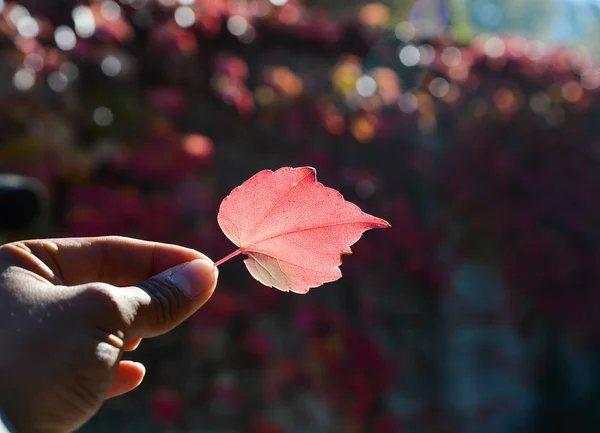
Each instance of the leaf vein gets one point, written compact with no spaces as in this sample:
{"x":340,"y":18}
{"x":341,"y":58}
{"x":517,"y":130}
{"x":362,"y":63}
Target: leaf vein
{"x":228,"y":218}
{"x":303,"y":230}
{"x":256,"y":227}
{"x":310,"y":208}
{"x":293,"y":264}
{"x":277,"y":281}
{"x":306,"y":246}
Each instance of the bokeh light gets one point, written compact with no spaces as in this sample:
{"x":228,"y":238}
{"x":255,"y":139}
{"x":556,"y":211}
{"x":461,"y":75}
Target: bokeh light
{"x":58,"y":81}
{"x":453,"y":95}
{"x":407,"y":60}
{"x":410,"y":55}
{"x":65,"y":38}
{"x":103,"y":116}
{"x":539,"y":102}
{"x":590,"y":79}
{"x":451,"y":56}
{"x":505,"y":101}
{"x":366,"y":86}
{"x":70,"y":70}
{"x":85,"y":23}
{"x":387,"y":84}
{"x":34,"y":62}
{"x":17,"y":13}
{"x":429,"y":17}
{"x":439,"y":87}
{"x":28,"y":27}
{"x":110,"y":10}
{"x":198,"y":146}
{"x":111,"y":66}
{"x":486,"y":13}
{"x":572,"y":91}
{"x":426,"y":54}
{"x":24,"y":79}
{"x":185,"y":16}
{"x":374,"y":15}
{"x":285,"y":81}
{"x":405,"y":31}
{"x":494,"y":47}
{"x":535,"y":50}
{"x":363,"y":128}
{"x":408,"y":103}
{"x":334,"y":122}
{"x":237,"y":25}
{"x":345,"y":74}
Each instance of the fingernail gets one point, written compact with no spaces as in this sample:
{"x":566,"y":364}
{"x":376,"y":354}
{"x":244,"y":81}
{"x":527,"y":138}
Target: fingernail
{"x":195,"y":278}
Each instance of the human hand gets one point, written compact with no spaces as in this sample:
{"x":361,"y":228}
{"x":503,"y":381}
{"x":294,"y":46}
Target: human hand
{"x":69,"y":308}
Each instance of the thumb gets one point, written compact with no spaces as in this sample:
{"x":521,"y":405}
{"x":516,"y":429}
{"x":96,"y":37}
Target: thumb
{"x":167,"y":299}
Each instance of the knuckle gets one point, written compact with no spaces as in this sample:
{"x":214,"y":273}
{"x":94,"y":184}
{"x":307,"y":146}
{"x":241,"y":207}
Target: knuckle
{"x":12,"y":250}
{"x":114,"y":238}
{"x":97,"y":353}
{"x":106,"y":355}
{"x":103,"y":299}
{"x":167,"y":301}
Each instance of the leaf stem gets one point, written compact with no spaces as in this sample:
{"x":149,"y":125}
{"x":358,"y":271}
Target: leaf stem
{"x":224,"y":259}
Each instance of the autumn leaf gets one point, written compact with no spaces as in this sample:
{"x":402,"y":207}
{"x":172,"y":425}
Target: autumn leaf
{"x":292,"y":228}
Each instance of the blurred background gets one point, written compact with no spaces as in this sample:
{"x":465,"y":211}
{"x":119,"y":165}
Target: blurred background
{"x":472,"y":126}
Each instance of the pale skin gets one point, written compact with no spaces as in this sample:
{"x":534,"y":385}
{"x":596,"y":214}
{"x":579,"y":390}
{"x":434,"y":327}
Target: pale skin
{"x":71,"y":308}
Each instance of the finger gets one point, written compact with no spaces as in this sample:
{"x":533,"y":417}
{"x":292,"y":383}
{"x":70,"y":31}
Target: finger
{"x":162,"y":302}
{"x":128,"y":377}
{"x":131,"y":345}
{"x":114,"y":260}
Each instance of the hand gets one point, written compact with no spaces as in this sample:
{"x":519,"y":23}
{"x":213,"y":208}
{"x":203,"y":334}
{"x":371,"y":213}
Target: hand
{"x":69,"y":308}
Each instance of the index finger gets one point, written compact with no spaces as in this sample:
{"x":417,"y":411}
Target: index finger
{"x":115,"y":260}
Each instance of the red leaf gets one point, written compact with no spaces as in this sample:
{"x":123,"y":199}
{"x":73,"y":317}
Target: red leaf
{"x":292,"y":228}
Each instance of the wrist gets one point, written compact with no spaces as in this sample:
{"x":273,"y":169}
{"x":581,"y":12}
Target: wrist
{"x":5,"y":425}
